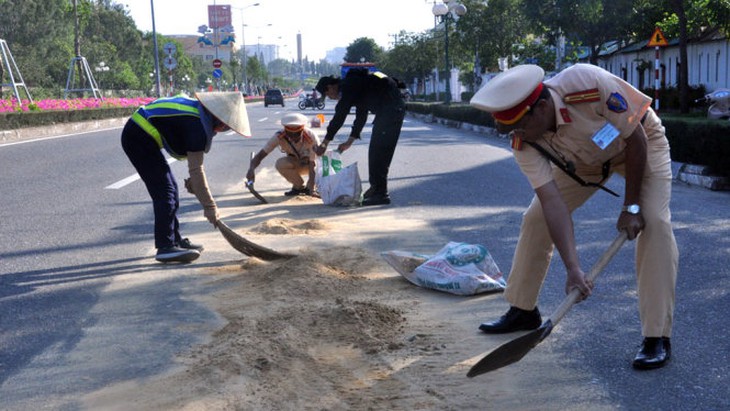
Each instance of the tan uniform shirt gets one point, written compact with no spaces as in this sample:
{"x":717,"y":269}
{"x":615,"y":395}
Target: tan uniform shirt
{"x":304,"y":147}
{"x":595,"y":111}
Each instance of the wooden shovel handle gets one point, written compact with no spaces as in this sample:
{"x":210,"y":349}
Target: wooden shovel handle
{"x":572,"y":297}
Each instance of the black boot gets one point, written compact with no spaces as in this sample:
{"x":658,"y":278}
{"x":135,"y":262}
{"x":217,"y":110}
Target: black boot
{"x":654,"y":353}
{"x":515,"y":319}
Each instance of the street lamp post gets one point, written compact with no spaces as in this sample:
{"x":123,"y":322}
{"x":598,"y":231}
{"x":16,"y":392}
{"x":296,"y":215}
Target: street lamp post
{"x":157,"y":53}
{"x":244,"y":79}
{"x":447,"y":11}
{"x":102,"y":67}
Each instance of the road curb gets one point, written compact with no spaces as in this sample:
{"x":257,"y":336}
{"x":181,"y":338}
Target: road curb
{"x":700,"y":176}
{"x":8,"y":136}
{"x":691,"y":174}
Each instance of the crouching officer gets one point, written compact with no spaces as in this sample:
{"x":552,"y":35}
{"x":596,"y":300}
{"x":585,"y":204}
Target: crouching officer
{"x":298,"y":143}
{"x":367,"y":92}
{"x":569,"y":134}
{"x":184,"y":127}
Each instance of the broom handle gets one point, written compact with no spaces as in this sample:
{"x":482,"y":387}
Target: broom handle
{"x":574,"y":294}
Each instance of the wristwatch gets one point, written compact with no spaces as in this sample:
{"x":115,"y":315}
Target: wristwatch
{"x":632,"y":209}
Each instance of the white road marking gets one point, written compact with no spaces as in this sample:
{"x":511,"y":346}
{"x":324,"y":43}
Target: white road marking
{"x":131,"y":179}
{"x":33,"y":140}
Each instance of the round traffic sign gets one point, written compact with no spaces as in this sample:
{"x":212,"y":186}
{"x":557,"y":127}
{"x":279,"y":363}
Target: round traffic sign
{"x":169,"y":48}
{"x":170,"y":63}
{"x":217,"y":63}
{"x":217,"y":73}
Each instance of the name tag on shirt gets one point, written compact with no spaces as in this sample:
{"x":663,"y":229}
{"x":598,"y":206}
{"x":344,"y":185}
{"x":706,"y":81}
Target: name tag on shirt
{"x":605,"y":136}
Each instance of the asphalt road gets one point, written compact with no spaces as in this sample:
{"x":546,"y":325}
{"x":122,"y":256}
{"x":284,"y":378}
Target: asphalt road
{"x":83,"y":304}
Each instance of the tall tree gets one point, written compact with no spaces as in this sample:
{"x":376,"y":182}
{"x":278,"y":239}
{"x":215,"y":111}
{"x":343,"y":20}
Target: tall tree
{"x":363,"y":49}
{"x":412,"y":57}
{"x":489,"y":30}
{"x":36,"y":31}
{"x":590,"y":22}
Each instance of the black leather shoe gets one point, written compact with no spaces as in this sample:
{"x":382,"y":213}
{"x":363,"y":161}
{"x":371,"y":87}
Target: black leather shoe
{"x":296,"y":191}
{"x":376,"y":199}
{"x":654,"y":353}
{"x":515,"y":319}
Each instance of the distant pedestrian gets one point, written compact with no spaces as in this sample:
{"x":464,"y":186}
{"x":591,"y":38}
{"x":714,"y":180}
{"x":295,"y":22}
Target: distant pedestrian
{"x":184,"y":127}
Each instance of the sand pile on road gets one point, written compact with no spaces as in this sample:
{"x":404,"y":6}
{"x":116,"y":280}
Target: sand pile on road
{"x":334,"y":328}
{"x":283,"y":226}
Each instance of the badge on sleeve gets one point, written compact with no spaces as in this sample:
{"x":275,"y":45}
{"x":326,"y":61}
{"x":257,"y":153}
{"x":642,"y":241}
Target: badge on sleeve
{"x":617,"y":103}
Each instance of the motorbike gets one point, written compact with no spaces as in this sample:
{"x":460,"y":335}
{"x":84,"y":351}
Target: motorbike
{"x":307,"y":102}
{"x":719,"y":101}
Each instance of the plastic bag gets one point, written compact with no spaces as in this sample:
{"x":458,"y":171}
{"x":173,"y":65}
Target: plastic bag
{"x":329,"y":164}
{"x":336,"y":185}
{"x":458,"y":268}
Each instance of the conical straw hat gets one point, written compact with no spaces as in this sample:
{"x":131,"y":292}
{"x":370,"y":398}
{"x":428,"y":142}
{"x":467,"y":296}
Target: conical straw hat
{"x":229,"y":108}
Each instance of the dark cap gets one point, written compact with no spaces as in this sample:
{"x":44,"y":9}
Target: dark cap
{"x":324,"y":82}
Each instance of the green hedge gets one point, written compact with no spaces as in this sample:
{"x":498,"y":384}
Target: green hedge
{"x":700,"y":141}
{"x":15,"y":120}
{"x":692,"y":139}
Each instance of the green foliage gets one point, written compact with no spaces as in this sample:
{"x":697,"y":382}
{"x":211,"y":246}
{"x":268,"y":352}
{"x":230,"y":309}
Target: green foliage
{"x":700,"y":141}
{"x":363,"y":49}
{"x":412,"y":56}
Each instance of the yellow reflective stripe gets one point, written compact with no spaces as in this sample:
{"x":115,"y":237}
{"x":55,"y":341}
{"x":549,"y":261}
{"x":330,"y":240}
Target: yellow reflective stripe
{"x":147,"y":127}
{"x":174,"y":106}
{"x":379,"y":74}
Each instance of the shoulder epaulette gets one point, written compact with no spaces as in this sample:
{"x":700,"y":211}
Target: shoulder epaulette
{"x":585,"y":96}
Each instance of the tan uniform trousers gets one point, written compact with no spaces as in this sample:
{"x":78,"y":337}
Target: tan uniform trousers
{"x":656,"y":248}
{"x":290,"y":168}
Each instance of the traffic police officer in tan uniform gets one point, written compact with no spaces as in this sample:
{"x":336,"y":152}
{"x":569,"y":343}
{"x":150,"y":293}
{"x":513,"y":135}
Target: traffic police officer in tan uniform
{"x":569,"y":134}
{"x":298,"y":142}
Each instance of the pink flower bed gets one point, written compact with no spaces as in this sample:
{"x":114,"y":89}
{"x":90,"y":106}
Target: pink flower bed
{"x":7,"y":106}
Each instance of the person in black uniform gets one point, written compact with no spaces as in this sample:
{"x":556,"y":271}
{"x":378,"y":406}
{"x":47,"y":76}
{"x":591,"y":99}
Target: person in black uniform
{"x":379,"y":94}
{"x":184,"y":127}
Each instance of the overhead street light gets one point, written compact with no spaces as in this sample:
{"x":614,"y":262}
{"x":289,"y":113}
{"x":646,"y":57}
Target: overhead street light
{"x":243,"y":45}
{"x":446,"y":11}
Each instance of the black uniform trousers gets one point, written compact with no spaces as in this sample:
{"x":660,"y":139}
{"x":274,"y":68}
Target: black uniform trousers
{"x":387,"y":125}
{"x":152,"y":167}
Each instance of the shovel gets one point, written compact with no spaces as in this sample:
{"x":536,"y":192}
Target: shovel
{"x":513,"y":351}
{"x":247,"y":247}
{"x":249,"y":185}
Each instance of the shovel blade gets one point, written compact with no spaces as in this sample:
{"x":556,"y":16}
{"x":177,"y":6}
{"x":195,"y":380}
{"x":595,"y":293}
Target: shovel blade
{"x":247,"y":247}
{"x":249,"y":185}
{"x":511,"y":351}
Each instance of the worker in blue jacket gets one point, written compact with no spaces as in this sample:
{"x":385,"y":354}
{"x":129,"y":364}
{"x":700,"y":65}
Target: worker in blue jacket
{"x":367,"y":92}
{"x":183,"y":127}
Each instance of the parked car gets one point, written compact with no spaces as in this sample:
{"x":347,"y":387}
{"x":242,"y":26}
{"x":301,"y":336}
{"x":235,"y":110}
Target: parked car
{"x":273,"y":96}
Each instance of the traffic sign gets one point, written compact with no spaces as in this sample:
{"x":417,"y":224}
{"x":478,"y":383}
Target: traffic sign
{"x":217,"y":73}
{"x":170,"y":62}
{"x":217,"y":63}
{"x":170,"y":48}
{"x":658,"y":39}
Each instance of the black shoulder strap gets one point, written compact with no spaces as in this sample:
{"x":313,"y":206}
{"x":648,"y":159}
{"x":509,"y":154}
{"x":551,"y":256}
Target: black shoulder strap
{"x":569,"y":169}
{"x":292,"y":147}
